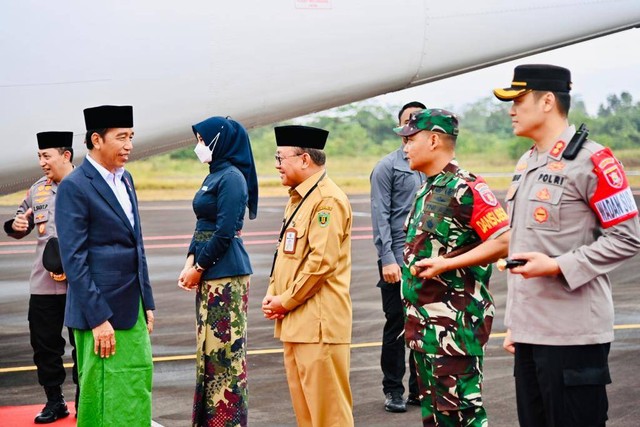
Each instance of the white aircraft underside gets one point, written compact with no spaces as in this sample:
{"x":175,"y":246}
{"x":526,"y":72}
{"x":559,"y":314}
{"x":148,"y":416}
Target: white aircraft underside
{"x":257,"y":61}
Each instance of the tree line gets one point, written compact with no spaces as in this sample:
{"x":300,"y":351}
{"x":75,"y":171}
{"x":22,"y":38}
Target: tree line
{"x":365,"y":128}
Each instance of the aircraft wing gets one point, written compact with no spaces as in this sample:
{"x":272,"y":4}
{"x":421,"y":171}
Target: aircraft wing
{"x":257,"y":61}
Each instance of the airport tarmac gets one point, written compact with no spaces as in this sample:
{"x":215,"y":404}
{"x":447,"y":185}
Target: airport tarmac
{"x":167,"y":228}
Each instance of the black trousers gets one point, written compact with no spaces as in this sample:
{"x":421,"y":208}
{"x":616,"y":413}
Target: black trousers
{"x":46,"y":320}
{"x":562,"y":386}
{"x":392,"y":359}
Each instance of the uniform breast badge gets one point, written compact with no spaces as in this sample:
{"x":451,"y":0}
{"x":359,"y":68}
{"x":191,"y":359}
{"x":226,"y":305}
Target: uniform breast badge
{"x":540,"y":215}
{"x":543,"y":194}
{"x":290,"y":240}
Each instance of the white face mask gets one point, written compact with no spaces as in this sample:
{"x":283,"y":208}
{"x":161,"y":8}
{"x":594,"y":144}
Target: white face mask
{"x":203,"y":153}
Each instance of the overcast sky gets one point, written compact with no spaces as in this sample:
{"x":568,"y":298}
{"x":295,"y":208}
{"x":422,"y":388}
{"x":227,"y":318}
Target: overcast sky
{"x":599,"y":67}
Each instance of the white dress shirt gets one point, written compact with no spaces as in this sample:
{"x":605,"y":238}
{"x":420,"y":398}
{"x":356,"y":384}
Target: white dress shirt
{"x":117,"y":185}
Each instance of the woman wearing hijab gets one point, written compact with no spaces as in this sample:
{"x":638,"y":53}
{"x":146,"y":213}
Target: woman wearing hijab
{"x":218,"y":268}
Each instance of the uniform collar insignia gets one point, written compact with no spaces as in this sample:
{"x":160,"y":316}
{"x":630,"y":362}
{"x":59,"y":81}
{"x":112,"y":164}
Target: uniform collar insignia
{"x":557,"y":149}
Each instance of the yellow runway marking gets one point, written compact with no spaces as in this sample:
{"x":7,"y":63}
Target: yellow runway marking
{"x":270,"y":351}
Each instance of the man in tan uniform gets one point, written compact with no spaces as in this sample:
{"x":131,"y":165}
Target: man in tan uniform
{"x":573,"y":220}
{"x":308,"y":294}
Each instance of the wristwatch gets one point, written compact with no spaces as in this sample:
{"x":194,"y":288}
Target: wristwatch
{"x":198,"y":268}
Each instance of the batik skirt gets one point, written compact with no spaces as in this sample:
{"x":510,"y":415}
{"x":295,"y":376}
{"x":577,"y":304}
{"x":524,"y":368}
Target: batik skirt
{"x":220,"y":398}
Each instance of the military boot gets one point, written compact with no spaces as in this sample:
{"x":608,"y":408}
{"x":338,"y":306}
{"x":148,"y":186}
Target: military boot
{"x":55,"y":407}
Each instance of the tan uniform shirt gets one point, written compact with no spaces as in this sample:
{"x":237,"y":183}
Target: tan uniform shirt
{"x":312,"y":273}
{"x":582,"y":213}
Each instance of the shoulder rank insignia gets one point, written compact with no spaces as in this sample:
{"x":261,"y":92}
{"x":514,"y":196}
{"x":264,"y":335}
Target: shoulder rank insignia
{"x":558,"y":148}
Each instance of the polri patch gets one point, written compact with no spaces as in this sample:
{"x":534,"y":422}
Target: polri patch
{"x":613,"y":200}
{"x":323,"y":218}
{"x":611,"y":172}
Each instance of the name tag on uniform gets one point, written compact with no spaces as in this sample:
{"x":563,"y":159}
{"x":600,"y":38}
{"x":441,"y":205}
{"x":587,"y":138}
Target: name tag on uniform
{"x":290,"y":239}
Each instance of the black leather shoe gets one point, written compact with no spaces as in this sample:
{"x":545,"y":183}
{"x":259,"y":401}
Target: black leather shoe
{"x":52,"y":411}
{"x":394,"y":402}
{"x":413,"y":400}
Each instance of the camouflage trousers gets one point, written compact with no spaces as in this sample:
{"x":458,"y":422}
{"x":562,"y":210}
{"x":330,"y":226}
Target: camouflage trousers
{"x":450,"y":390}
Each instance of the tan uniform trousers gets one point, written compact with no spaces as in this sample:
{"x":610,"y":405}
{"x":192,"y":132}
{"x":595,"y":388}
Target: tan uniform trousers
{"x":318,"y":377}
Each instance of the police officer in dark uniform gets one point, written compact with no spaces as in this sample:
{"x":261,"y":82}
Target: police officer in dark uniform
{"x":48,"y":289}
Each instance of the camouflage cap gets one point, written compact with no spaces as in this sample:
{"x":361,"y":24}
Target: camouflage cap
{"x":434,"y":120}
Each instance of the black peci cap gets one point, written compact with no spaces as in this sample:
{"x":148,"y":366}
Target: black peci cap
{"x":535,"y":77}
{"x":301,"y":136}
{"x":51,"y":256}
{"x":108,"y":116}
{"x":54,"y":139}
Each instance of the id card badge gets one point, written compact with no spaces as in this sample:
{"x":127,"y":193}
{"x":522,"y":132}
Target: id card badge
{"x":290,"y":239}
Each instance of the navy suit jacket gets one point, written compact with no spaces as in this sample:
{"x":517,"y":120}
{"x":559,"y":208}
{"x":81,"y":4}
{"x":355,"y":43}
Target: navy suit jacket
{"x":102,"y":255}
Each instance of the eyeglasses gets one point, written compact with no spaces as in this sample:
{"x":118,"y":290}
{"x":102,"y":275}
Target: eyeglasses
{"x":279,"y":158}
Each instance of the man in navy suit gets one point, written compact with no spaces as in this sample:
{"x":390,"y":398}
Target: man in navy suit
{"x":109,"y":300}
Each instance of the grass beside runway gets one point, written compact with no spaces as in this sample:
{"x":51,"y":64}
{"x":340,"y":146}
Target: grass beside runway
{"x":161,"y":178}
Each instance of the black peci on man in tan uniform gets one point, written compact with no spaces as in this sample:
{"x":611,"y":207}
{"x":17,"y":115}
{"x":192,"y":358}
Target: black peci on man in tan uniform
{"x":308,"y":295}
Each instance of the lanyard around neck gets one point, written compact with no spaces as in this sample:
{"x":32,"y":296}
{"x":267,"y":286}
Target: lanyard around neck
{"x":286,"y":223}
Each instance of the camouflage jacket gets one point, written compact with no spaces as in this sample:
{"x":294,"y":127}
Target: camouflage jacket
{"x":450,"y":314}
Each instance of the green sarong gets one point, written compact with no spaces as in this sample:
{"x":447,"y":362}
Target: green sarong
{"x":116,"y":391}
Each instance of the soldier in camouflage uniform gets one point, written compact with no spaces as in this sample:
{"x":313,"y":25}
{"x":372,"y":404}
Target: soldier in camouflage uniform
{"x":455,"y":228}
